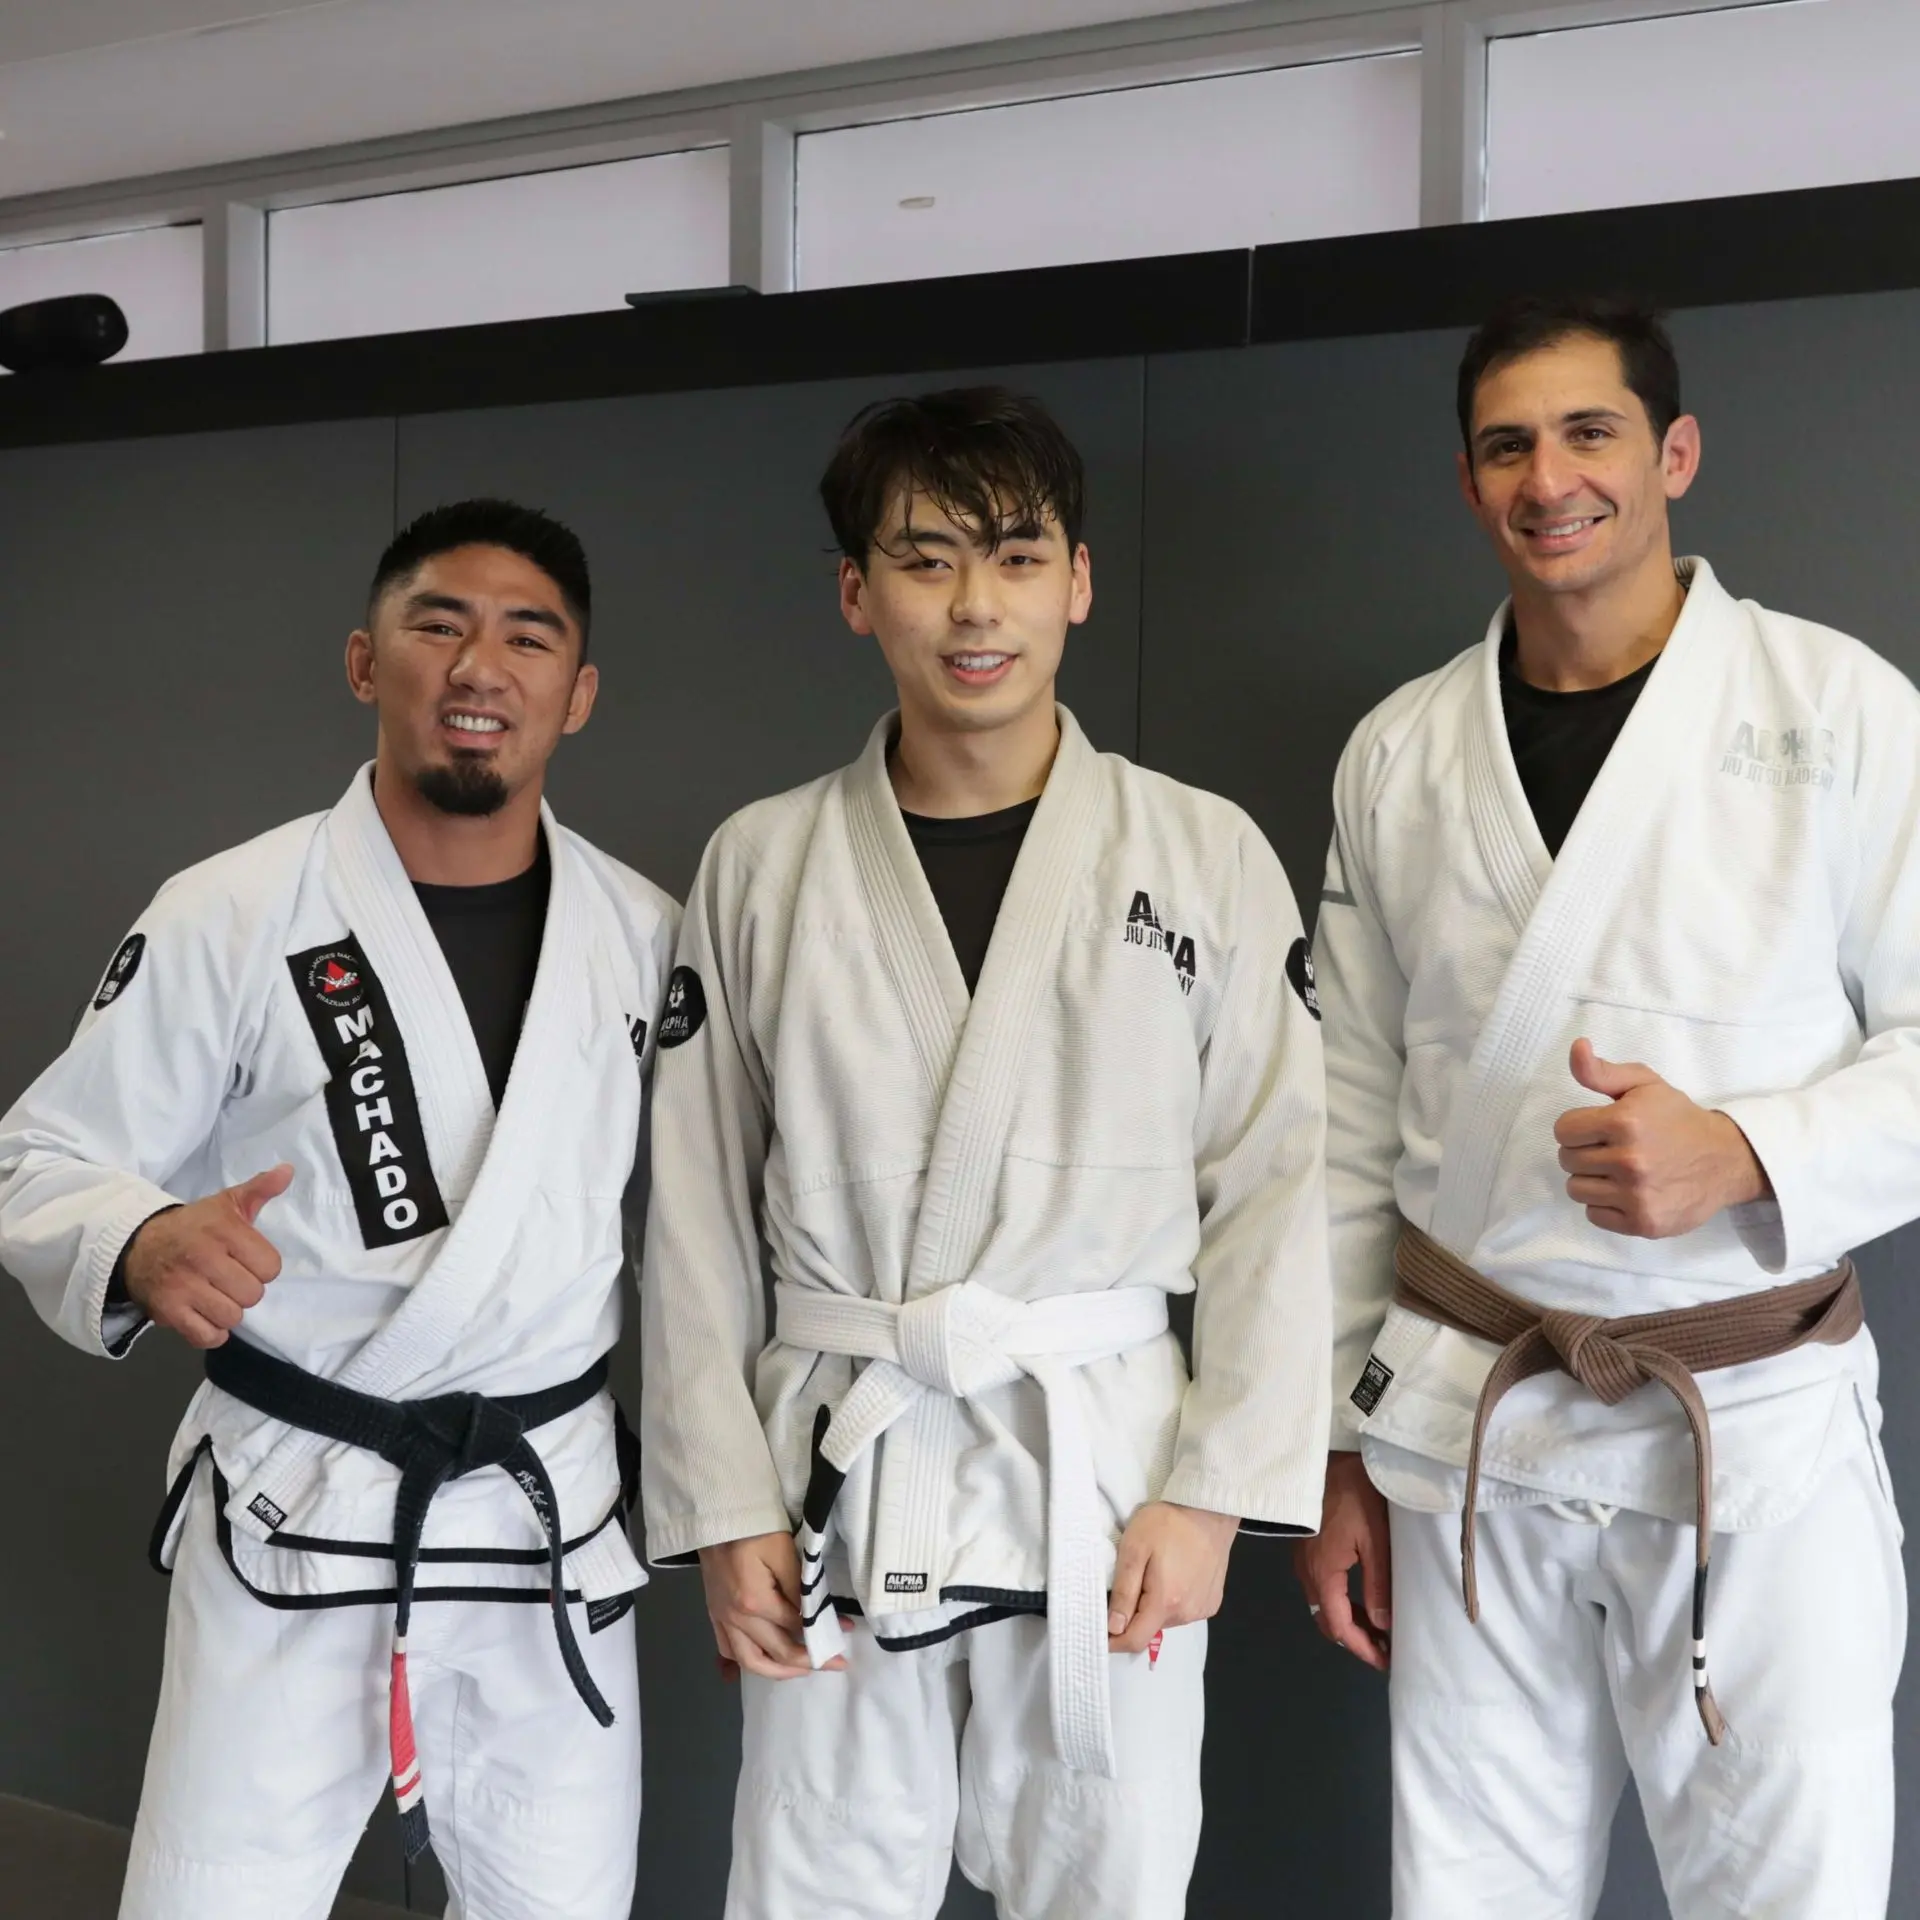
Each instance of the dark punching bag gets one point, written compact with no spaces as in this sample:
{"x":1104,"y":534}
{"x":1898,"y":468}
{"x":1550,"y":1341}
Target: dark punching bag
{"x":77,"y":330}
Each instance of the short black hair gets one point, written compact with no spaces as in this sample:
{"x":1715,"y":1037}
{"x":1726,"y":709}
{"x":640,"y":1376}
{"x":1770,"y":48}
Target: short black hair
{"x":533,"y":535}
{"x":997,"y":461}
{"x":1528,"y":322}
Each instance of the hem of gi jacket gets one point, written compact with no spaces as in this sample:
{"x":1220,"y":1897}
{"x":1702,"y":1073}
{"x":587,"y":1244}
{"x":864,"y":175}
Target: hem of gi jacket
{"x":674,"y":1543}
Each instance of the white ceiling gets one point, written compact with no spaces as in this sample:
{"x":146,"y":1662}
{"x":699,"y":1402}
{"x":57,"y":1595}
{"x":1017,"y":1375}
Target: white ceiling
{"x":96,"y":90}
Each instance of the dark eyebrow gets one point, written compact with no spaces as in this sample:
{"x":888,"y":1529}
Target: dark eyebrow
{"x":537,"y":617}
{"x":1578,"y":417}
{"x":912,"y":537}
{"x":452,"y":603}
{"x":438,"y":603}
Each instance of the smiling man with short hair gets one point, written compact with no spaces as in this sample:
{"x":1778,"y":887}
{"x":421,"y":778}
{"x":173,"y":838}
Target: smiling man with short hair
{"x":1620,"y":956}
{"x":353,"y":1110}
{"x":994,"y":1043}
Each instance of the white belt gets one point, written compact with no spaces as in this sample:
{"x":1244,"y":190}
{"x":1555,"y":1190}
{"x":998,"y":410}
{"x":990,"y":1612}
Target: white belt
{"x":925,"y":1355}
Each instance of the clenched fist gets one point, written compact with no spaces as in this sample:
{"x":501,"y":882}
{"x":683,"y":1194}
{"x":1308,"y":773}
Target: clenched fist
{"x":196,"y":1269}
{"x":1651,"y":1163}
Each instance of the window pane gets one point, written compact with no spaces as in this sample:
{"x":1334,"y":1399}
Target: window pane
{"x":154,"y":275}
{"x":1280,"y":155}
{"x":1745,"y":101}
{"x":565,"y":242}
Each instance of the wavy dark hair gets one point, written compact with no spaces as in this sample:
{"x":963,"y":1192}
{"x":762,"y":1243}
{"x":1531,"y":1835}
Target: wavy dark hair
{"x":997,"y":462}
{"x":1531,"y":321}
{"x":533,"y":535}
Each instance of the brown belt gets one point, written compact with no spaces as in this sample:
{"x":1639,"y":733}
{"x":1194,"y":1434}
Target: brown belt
{"x":1612,"y":1357}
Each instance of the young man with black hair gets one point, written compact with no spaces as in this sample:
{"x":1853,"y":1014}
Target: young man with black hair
{"x":353,"y":1110}
{"x":992,"y":1044}
{"x":1620,"y":955}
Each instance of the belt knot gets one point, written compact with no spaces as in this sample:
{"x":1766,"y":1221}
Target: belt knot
{"x":1601,"y":1364}
{"x":955,"y":1339}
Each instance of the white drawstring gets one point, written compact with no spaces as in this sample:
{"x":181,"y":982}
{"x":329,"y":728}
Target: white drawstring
{"x":1585,"y":1513}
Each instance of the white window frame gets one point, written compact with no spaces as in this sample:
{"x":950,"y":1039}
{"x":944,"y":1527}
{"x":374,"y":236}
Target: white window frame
{"x":759,"y":120}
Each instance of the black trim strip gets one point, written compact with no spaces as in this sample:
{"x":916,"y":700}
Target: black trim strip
{"x":1685,"y":253}
{"x":474,"y":1556}
{"x":363,"y":1596}
{"x":913,"y":327}
{"x":1276,"y":1530}
{"x":910,"y":1643}
{"x":1771,"y":246}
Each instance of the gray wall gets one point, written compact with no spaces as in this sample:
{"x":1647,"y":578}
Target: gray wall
{"x":1277,"y":543}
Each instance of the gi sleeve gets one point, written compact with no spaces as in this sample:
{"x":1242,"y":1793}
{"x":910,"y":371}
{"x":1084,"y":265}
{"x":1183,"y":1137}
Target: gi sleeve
{"x":707,"y":1474}
{"x":91,"y":1150}
{"x":1252,"y":1438}
{"x":1843,"y":1153}
{"x":1364,"y":994}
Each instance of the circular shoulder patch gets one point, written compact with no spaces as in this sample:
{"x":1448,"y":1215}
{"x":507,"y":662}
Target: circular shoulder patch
{"x":1300,"y":974}
{"x":686,"y":1011}
{"x":120,"y":971}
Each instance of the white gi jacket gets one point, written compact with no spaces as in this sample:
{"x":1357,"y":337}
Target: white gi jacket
{"x":428,"y":1247}
{"x":1737,"y":906}
{"x":1131,"y":1103}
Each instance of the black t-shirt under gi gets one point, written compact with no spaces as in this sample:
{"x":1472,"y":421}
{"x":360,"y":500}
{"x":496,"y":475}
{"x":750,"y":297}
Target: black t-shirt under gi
{"x":968,"y":864}
{"x":491,"y":938}
{"x":1560,"y":740}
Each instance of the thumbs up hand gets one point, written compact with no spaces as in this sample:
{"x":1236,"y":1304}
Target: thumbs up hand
{"x":1651,"y":1162}
{"x":198,"y":1268}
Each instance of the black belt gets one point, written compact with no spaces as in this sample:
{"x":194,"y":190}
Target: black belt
{"x":431,"y":1442}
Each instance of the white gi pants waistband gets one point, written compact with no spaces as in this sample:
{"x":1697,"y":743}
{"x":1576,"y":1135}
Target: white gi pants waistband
{"x":967,"y":1339}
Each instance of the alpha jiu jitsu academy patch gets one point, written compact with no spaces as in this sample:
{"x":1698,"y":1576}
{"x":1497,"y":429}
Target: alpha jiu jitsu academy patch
{"x":120,"y":971}
{"x":686,"y":1011}
{"x":1300,"y":976}
{"x":1143,"y":929}
{"x":371,"y":1102}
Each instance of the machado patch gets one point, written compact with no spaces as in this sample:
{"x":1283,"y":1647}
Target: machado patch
{"x":371,"y":1101}
{"x":1300,"y":976}
{"x":686,"y":1011}
{"x":120,"y":971}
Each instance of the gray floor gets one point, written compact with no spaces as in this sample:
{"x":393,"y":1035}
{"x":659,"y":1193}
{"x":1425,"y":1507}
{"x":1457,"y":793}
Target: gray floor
{"x":58,"y":1866}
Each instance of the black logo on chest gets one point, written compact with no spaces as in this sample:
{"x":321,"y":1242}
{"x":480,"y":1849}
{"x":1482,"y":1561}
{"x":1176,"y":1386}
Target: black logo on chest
{"x":1143,"y":929}
{"x":371,"y":1102}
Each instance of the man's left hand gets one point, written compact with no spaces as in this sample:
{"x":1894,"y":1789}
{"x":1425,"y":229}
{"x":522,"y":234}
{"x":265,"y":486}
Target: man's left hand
{"x":1172,"y":1569}
{"x":1651,"y":1163}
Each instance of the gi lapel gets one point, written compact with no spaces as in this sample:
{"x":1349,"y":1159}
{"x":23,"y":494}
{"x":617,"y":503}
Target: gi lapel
{"x":908,"y":930}
{"x":1579,"y":893}
{"x":956,"y":1213}
{"x":972,"y":1056}
{"x":487,"y":1172}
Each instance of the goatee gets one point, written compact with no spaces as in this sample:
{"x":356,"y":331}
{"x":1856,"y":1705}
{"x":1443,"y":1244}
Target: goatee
{"x":468,"y":787}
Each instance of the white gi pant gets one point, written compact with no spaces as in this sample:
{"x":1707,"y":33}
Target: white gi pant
{"x":269,"y":1753}
{"x":1512,"y":1740}
{"x":858,"y":1789}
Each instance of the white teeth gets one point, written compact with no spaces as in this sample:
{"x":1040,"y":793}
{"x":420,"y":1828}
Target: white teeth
{"x":475,"y":723}
{"x":980,"y":662}
{"x":1560,"y":528}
